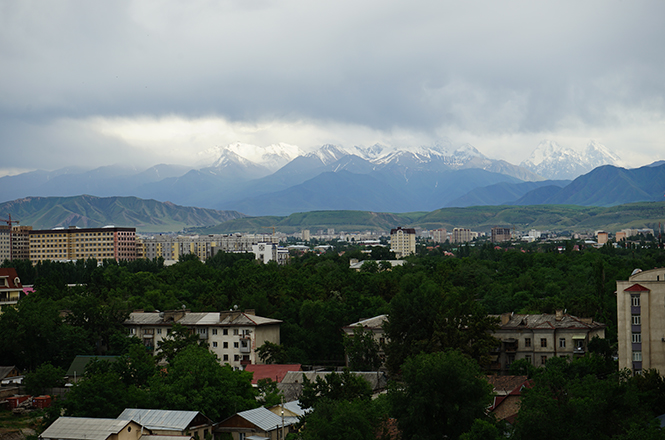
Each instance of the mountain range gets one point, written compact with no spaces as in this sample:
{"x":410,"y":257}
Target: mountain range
{"x":280,"y":179}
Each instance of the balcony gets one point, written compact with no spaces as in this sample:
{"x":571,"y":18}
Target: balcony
{"x":245,"y":345}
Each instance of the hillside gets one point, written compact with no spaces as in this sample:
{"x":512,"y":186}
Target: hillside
{"x":542,"y":217}
{"x":89,"y":212}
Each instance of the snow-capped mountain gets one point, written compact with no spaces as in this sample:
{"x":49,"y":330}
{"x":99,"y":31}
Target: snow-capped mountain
{"x":272,"y":157}
{"x":553,"y":161}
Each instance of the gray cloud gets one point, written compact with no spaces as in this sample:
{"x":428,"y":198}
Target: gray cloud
{"x":482,"y":69}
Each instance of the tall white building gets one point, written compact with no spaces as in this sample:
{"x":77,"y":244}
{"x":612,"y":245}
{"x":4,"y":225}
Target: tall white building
{"x":403,"y":241}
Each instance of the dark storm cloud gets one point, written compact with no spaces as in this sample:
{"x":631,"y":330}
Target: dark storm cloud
{"x":487,"y":68}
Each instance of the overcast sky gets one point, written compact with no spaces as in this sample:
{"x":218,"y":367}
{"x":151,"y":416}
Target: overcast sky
{"x":157,"y":81}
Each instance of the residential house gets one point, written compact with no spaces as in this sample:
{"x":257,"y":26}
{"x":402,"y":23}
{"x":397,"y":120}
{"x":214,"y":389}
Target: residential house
{"x":537,"y":338}
{"x":85,"y":428}
{"x":641,"y":320}
{"x":166,"y":422}
{"x":11,"y":288}
{"x":507,"y":396}
{"x":77,"y":367}
{"x":233,"y":336}
{"x":257,"y":423}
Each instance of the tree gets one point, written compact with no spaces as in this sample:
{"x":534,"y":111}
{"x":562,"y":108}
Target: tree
{"x":334,"y":386}
{"x":45,"y":377}
{"x":176,"y":341}
{"x":271,"y":353}
{"x":362,"y":350}
{"x":268,"y":393}
{"x":441,"y":396}
{"x":195,"y":381}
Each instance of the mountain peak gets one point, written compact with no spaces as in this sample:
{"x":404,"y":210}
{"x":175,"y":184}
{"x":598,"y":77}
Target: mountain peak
{"x":552,"y":161}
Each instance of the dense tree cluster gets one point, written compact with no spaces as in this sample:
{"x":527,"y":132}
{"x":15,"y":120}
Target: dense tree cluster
{"x":438,"y":309}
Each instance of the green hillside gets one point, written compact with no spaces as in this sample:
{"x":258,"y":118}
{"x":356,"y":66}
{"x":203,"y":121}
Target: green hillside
{"x":479,"y":218}
{"x":90,"y":212}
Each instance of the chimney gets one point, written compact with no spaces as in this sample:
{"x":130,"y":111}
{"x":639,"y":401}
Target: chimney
{"x":559,"y":314}
{"x":505,"y":318}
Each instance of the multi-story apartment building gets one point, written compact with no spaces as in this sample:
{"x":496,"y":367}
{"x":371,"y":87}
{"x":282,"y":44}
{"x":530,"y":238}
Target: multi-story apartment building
{"x":461,"y":235}
{"x":641,"y":320}
{"x":75,"y":243}
{"x":538,"y":338}
{"x":403,"y":241}
{"x":439,"y":235}
{"x":5,"y":243}
{"x":11,"y":288}
{"x":171,"y":247}
{"x":233,"y":336}
{"x":375,"y":325}
{"x":500,"y":235}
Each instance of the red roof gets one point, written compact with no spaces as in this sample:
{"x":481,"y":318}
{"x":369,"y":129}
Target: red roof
{"x":12,"y":276}
{"x":636,"y":288}
{"x":276,"y":372}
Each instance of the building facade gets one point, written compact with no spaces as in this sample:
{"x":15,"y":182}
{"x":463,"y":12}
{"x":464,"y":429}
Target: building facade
{"x":76,"y":243}
{"x":461,"y":235}
{"x":439,"y":235}
{"x":171,"y":247}
{"x":233,"y":336}
{"x":403,"y":241}
{"x":500,"y":235}
{"x":267,"y":252}
{"x":538,"y":338}
{"x":641,"y":320}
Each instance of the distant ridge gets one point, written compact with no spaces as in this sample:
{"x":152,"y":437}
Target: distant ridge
{"x":91,"y":212}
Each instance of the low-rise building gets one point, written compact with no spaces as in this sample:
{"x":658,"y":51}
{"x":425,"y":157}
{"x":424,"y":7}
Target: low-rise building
{"x":374,"y":325}
{"x":11,"y":288}
{"x":538,"y":338}
{"x":88,"y":428}
{"x":267,"y":252}
{"x":163,"y":422}
{"x":258,"y":423}
{"x":233,"y":336}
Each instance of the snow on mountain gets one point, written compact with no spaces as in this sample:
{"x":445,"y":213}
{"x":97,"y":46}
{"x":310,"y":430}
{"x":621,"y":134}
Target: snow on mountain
{"x":272,"y":157}
{"x":369,"y":153}
{"x":468,"y":152}
{"x":552,"y":161}
{"x":328,"y":153}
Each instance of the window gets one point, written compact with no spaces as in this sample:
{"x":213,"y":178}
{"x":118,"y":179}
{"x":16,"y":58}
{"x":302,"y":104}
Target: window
{"x":226,"y":345}
{"x":637,"y":338}
{"x":528,"y":358}
{"x":225,"y":331}
{"x":235,"y":331}
{"x":214,"y":331}
{"x":637,"y":356}
{"x":637,"y":320}
{"x":159,"y":331}
{"x":241,"y":436}
{"x":226,"y":357}
{"x":635,"y":300}
{"x":527,"y":342}
{"x":543,"y":359}
{"x":235,"y":345}
{"x":236,"y":357}
{"x":543,"y":342}
{"x":562,"y":342}
{"x":214,"y":344}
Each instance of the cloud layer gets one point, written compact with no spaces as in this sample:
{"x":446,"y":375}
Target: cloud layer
{"x":157,"y":81}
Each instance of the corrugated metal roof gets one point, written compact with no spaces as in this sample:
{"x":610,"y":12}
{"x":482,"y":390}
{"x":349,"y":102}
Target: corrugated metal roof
{"x":549,"y":321}
{"x":165,"y":437}
{"x":375,"y":322}
{"x":159,"y":418}
{"x":83,"y":428}
{"x":266,"y":420}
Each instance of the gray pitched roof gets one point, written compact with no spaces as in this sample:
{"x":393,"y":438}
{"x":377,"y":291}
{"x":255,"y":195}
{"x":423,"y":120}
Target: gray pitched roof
{"x":265,"y":419}
{"x":83,"y":428}
{"x":159,"y":418}
{"x":4,"y":371}
{"x":201,"y":318}
{"x":548,"y":321}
